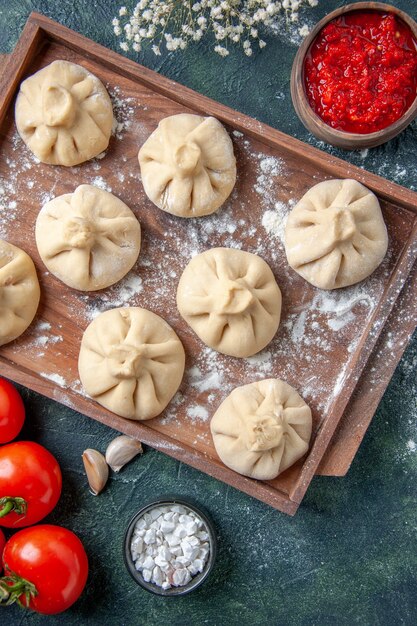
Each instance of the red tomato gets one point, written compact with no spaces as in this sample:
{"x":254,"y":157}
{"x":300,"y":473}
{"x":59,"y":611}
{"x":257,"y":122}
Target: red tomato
{"x":12,"y":411}
{"x":47,"y":561}
{"x":30,"y":483}
{"x":2,"y":542}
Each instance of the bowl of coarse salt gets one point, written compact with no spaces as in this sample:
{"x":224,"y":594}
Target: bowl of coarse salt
{"x":170,"y":546}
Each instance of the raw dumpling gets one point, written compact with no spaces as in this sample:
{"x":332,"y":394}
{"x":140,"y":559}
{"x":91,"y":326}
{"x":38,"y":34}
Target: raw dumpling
{"x":336,"y":235}
{"x":19,"y":292}
{"x":188,"y":167}
{"x":231,"y":300}
{"x":262,"y":428}
{"x":64,"y":114}
{"x":89,"y":239}
{"x":131,"y":362}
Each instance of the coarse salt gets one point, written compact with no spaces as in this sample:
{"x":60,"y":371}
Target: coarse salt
{"x":170,"y":545}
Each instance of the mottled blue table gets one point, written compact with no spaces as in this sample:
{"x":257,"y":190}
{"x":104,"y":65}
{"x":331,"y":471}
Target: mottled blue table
{"x":349,"y":556}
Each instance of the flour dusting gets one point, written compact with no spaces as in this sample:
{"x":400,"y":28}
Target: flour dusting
{"x":274,"y":220}
{"x":98,"y":181}
{"x":198,"y":412}
{"x":124,"y":293}
{"x":123,"y":110}
{"x":55,"y":378}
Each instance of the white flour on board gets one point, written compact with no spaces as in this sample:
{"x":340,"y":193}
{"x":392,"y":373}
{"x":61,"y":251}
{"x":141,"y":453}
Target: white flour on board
{"x":274,"y":220}
{"x":123,"y":110}
{"x":124,"y":293}
{"x":197,"y":412}
{"x":55,"y":378}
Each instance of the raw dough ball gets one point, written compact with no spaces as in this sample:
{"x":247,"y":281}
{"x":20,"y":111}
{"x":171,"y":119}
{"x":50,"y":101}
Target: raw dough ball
{"x":89,"y":239}
{"x":231,"y":300}
{"x":64,"y":114}
{"x":336,"y":235}
{"x":131,"y":362}
{"x":262,"y":428}
{"x":19,"y":292}
{"x":188,"y":167}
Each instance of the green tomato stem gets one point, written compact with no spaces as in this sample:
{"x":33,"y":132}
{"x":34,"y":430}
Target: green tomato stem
{"x":9,"y":504}
{"x":13,"y":587}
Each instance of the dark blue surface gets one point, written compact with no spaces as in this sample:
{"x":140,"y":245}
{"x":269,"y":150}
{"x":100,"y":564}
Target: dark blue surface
{"x":349,"y":556}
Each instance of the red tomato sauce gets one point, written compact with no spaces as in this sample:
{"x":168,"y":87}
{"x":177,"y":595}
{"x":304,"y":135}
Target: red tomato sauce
{"x":360,"y":72}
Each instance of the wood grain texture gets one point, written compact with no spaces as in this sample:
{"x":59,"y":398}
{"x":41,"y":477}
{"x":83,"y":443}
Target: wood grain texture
{"x":388,"y":351}
{"x":67,"y":311}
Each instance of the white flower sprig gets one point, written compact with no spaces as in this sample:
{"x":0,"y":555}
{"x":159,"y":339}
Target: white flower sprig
{"x":176,"y":23}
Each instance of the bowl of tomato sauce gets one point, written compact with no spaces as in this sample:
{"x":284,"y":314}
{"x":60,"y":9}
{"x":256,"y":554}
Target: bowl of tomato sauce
{"x":354,"y":78}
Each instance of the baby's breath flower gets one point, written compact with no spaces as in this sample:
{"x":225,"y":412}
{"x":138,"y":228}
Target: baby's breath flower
{"x":216,"y":12}
{"x":260,"y":15}
{"x":221,"y":33}
{"x":147,"y":15}
{"x":223,"y":52}
{"x":175,"y":23}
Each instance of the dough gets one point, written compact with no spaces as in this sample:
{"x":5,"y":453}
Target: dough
{"x":262,"y":428}
{"x":89,"y":239}
{"x":231,"y":300}
{"x":131,"y":362}
{"x":336,"y":235}
{"x":64,"y":114}
{"x":188,"y":167}
{"x":19,"y":292}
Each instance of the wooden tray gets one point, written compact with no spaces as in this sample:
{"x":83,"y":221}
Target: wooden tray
{"x":387,"y":353}
{"x":316,"y":349}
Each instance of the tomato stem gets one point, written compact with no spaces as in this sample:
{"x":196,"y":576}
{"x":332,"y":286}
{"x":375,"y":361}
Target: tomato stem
{"x":9,"y":504}
{"x":13,"y":587}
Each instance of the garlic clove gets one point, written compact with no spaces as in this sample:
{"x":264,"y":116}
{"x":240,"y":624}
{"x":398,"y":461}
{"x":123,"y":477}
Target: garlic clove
{"x":122,"y":450}
{"x":96,"y":469}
